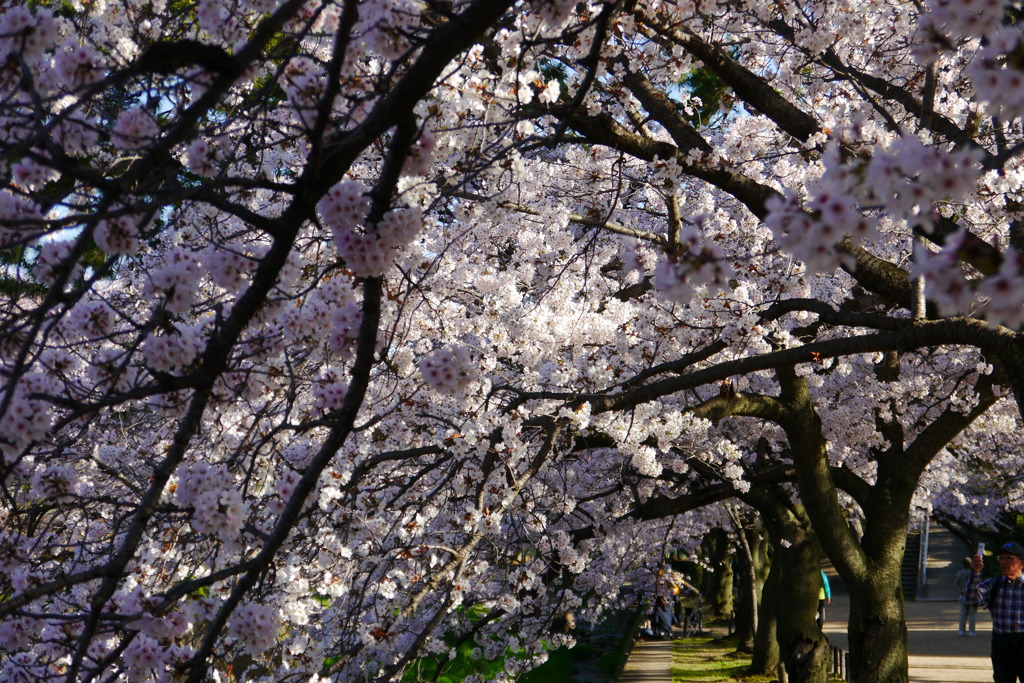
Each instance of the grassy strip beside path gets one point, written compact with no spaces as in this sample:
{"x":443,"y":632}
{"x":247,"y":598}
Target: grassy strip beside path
{"x":709,"y":659}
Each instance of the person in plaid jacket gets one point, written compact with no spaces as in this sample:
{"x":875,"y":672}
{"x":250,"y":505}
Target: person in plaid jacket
{"x":1004,"y":598}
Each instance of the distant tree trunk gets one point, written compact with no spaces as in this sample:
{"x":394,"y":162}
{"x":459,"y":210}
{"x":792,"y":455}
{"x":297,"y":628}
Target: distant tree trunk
{"x":717,"y":550}
{"x":751,"y":569}
{"x":765,"y":660}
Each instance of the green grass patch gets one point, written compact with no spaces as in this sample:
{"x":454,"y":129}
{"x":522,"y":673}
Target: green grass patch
{"x":706,"y":659}
{"x":443,"y":670}
{"x":560,"y":666}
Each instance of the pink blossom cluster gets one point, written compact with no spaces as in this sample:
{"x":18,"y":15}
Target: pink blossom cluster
{"x":382,"y":26}
{"x":255,"y":626}
{"x":283,"y":490}
{"x":905,"y":182}
{"x":135,"y":129}
{"x":55,"y":482}
{"x":168,"y":626}
{"x":221,"y":513}
{"x":54,"y":260}
{"x":998,"y":298}
{"x":145,"y":656}
{"x":118,"y":235}
{"x":645,"y":460}
{"x":329,"y":391}
{"x":29,"y":174}
{"x":307,"y":321}
{"x":107,"y":369}
{"x":76,"y":133}
{"x":304,"y":85}
{"x":448,"y":370}
{"x":363,"y":252}
{"x":25,"y":420}
{"x":92,"y":318}
{"x":1002,"y":293}
{"x":205,"y":157}
{"x":15,"y":633}
{"x":344,"y":206}
{"x":23,"y":667}
{"x":193,"y":479}
{"x":26,"y":33}
{"x":345,"y":321}
{"x":218,"y":507}
{"x":959,"y":19}
{"x":229,"y":268}
{"x":697,"y":262}
{"x":910,"y":177}
{"x":421,"y":156}
{"x":212,"y":15}
{"x":13,"y":555}
{"x":810,"y":240}
{"x":77,"y":66}
{"x":998,"y":78}
{"x":173,"y":351}
{"x":367,"y":252}
{"x":21,"y":214}
{"x":555,"y":13}
{"x":175,"y":280}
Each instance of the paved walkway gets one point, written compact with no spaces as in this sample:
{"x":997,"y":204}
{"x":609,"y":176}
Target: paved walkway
{"x":938,"y":654}
{"x":650,"y":662}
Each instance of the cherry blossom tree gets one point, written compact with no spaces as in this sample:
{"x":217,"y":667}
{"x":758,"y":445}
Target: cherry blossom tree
{"x":335,"y":333}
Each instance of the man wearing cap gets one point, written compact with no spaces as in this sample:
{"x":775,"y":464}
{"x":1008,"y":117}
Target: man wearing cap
{"x":1004,"y":597}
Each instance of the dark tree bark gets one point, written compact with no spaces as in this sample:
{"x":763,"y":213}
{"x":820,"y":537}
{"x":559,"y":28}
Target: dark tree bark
{"x":752,"y":564}
{"x":791,"y":610}
{"x":801,"y":646}
{"x":719,"y":588}
{"x":871,"y":568}
{"x":765,"y":660}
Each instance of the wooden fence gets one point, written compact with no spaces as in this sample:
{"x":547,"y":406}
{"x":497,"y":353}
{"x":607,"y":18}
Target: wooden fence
{"x":841,"y":663}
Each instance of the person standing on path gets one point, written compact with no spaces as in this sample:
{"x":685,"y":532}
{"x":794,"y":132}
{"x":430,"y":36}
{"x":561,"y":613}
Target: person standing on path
{"x":1004,"y":598}
{"x":824,"y":597}
{"x":968,"y":606}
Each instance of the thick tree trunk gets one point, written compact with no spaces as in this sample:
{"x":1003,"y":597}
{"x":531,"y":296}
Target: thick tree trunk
{"x":790,"y":596}
{"x":802,"y":646}
{"x":878,"y":632}
{"x":870,"y":566}
{"x":878,"y":635}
